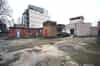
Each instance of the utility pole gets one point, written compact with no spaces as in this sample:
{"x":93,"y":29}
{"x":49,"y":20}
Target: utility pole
{"x":98,"y":40}
{"x":98,"y":34}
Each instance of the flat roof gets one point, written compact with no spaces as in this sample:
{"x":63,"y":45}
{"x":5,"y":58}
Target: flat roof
{"x":79,"y":17}
{"x":49,"y":22}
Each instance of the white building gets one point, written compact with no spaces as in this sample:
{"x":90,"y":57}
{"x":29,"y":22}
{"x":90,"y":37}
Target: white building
{"x":79,"y":19}
{"x":80,"y":28}
{"x":34,"y":16}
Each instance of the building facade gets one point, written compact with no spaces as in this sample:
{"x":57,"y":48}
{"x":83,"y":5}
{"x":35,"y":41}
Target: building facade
{"x":34,"y":16}
{"x":49,"y":29}
{"x":79,"y":27}
{"x":94,"y":31}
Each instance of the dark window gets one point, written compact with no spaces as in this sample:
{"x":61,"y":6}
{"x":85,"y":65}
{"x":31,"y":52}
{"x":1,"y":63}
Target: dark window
{"x":80,"y":17}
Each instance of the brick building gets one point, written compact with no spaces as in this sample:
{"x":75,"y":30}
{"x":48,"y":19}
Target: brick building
{"x":49,"y":29}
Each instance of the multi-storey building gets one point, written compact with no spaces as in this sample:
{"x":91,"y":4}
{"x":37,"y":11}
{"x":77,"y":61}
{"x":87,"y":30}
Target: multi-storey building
{"x":34,"y":16}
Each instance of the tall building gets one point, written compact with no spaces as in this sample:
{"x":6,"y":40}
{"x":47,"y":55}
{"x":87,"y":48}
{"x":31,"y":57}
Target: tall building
{"x":34,"y":16}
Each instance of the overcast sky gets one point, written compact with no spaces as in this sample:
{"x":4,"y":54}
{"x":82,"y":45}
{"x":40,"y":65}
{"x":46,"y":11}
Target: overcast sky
{"x":61,"y":10}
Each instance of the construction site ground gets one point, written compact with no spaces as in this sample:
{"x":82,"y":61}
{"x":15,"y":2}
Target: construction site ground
{"x":82,"y":50}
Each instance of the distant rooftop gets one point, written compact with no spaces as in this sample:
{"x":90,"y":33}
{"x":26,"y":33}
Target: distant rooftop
{"x":49,"y":22}
{"x":36,"y":8}
{"x":79,"y":17}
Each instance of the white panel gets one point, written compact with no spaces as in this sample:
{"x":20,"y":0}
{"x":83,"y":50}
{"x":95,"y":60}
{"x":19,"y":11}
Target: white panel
{"x":94,"y":31}
{"x":83,"y":29}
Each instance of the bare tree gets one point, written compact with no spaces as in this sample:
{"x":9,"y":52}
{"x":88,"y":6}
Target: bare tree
{"x":4,"y":8}
{"x":5,"y":15}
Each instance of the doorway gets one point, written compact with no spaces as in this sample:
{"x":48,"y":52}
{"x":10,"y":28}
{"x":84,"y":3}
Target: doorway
{"x":72,"y":31}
